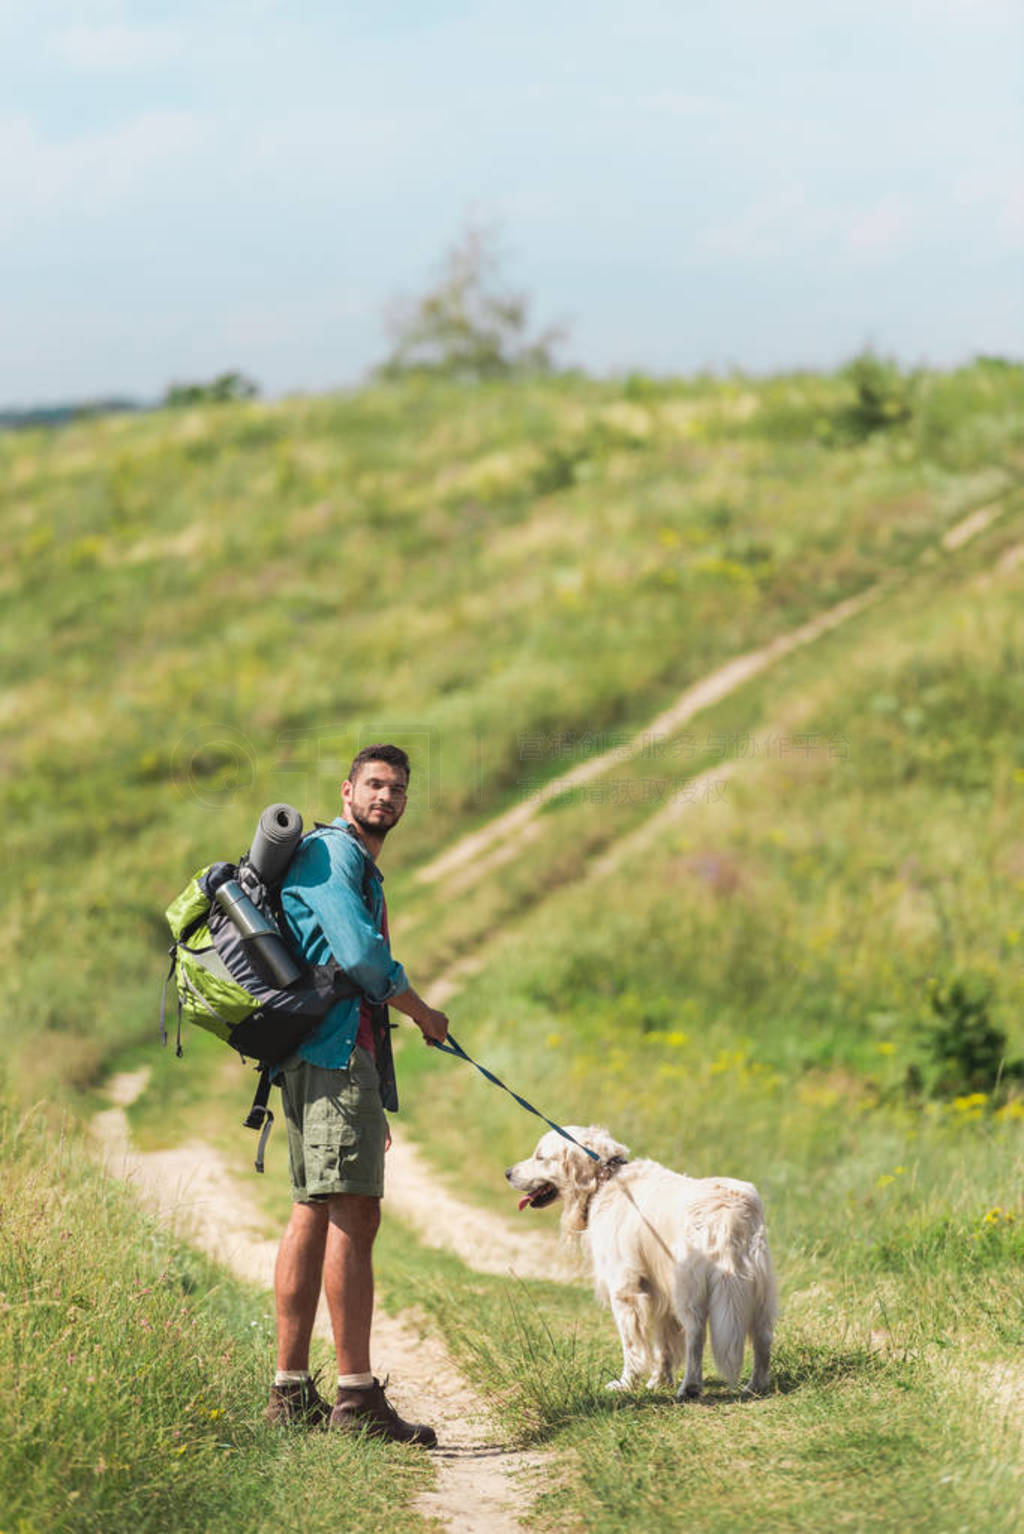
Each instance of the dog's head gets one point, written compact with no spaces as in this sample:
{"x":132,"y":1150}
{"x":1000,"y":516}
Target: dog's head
{"x":560,"y":1169}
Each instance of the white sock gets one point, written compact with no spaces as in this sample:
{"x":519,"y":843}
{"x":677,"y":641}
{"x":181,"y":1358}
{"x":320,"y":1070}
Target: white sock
{"x":354,"y":1381}
{"x":291,"y":1376}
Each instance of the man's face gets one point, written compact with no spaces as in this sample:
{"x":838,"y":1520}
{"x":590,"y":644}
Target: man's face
{"x":375,"y":799}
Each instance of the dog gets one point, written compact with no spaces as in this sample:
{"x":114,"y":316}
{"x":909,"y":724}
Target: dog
{"x":673,"y":1257}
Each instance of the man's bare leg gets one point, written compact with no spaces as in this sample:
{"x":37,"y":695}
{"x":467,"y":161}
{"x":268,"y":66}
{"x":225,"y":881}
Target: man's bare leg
{"x":298,"y":1275}
{"x":348,"y":1284}
{"x":348,"y":1277}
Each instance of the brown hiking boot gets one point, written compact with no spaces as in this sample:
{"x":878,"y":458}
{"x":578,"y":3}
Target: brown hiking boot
{"x":368,"y":1410}
{"x":299,"y":1404}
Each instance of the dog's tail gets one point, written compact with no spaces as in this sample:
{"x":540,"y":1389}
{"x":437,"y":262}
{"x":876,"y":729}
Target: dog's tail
{"x":742,"y":1300}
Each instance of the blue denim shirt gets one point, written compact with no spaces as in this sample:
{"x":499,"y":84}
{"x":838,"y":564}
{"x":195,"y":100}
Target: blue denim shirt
{"x":322,"y":899}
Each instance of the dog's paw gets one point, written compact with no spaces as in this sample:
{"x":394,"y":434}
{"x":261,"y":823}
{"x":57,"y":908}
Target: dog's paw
{"x":620,"y":1384}
{"x":689,"y":1392}
{"x":755,"y":1389}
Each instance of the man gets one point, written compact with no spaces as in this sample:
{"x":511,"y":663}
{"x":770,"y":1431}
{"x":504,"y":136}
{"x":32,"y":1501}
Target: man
{"x":337,"y":1131}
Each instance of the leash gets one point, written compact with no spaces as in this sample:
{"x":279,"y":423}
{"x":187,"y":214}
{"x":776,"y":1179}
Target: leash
{"x":451,"y":1046}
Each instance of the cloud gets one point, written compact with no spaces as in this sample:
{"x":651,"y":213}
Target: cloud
{"x":789,"y":220}
{"x":686,"y":105}
{"x":91,"y":173}
{"x":1009,"y":220}
{"x":115,"y":48}
{"x":779,"y":220}
{"x":993,"y":199}
{"x":883,"y":230}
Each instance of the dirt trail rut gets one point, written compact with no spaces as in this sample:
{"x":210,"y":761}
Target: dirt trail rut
{"x":500,"y":839}
{"x":465,"y":862}
{"x":192,"y":1188}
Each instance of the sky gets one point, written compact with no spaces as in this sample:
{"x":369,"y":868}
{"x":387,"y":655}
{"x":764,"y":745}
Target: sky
{"x":682,"y":184}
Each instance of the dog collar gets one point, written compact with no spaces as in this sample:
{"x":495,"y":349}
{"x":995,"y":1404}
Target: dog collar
{"x":608,"y":1168}
{"x":605,"y":1172}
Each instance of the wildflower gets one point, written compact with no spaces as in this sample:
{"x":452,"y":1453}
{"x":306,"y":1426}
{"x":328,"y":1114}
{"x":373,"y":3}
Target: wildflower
{"x":997,"y":1215}
{"x":886,"y":1048}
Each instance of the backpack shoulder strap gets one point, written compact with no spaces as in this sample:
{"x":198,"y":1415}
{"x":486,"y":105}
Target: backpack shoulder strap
{"x":367,"y":885}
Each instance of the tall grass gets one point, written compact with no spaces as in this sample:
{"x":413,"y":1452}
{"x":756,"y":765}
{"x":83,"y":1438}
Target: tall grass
{"x":136,"y":1374}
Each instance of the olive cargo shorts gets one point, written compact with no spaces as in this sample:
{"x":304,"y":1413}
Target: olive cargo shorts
{"x":336,"y":1128}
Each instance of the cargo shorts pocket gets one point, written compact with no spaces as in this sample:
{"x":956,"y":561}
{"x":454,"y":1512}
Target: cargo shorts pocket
{"x":340,"y":1130}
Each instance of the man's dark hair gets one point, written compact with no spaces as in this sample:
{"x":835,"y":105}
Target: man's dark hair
{"x":393,"y":755}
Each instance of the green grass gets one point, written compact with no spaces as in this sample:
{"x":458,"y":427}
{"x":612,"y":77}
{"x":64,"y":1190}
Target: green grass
{"x":136,"y":1373}
{"x":508,"y":579}
{"x":207,"y":610}
{"x":877,"y":1418}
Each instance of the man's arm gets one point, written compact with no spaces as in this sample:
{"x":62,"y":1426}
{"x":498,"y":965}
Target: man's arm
{"x":324,"y":890}
{"x":432,"y":1024}
{"x":322,"y":900}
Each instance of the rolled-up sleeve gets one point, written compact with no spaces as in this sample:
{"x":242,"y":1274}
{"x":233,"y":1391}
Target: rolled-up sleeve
{"x":324,"y":904}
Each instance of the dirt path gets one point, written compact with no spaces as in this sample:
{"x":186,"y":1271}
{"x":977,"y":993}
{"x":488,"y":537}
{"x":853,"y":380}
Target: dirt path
{"x":483,"y":1241}
{"x":482,"y":850}
{"x":501,"y":839}
{"x":480,"y":1480}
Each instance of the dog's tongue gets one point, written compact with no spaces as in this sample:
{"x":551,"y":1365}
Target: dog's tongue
{"x":524,"y":1201}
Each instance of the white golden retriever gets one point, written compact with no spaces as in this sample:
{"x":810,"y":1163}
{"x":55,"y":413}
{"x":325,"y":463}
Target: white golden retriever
{"x":672,"y":1256}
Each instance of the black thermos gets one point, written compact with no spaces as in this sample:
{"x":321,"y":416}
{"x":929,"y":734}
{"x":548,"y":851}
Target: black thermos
{"x":258,"y":933}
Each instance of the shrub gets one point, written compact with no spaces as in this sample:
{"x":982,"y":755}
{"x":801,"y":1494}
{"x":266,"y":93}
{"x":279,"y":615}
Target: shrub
{"x":219,"y":391}
{"x":882,"y":395}
{"x":968,"y":1048}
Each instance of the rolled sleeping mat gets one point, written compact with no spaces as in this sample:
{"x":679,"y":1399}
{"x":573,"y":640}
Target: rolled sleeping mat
{"x":277,"y":836}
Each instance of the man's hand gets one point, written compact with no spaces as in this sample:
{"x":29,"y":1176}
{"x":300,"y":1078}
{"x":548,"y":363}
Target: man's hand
{"x":433,"y":1026}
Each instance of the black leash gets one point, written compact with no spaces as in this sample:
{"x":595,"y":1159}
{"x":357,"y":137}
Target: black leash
{"x":451,"y":1046}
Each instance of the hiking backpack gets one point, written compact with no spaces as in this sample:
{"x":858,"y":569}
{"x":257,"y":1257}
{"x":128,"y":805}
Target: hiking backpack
{"x":225,"y":986}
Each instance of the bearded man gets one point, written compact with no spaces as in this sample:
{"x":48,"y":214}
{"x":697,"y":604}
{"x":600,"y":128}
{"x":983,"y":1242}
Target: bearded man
{"x":335,"y":1089}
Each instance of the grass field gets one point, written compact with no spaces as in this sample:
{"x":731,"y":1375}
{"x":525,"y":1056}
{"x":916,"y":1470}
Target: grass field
{"x":509,"y":580}
{"x":135,"y":1373}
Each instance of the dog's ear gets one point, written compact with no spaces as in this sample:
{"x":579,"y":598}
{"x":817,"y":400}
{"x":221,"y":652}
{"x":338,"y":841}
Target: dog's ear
{"x":597,"y":1138}
{"x":580,"y":1180}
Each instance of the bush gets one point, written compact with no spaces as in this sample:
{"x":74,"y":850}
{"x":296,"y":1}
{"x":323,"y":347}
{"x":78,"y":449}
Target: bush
{"x":882,"y":395}
{"x":219,"y":391}
{"x":967,"y":1047}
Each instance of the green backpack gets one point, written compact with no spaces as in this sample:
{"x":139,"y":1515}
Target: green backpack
{"x":224,"y":984}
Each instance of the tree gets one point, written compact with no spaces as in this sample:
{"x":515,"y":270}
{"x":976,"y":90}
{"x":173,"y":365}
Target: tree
{"x":468,"y":325}
{"x":225,"y":387}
